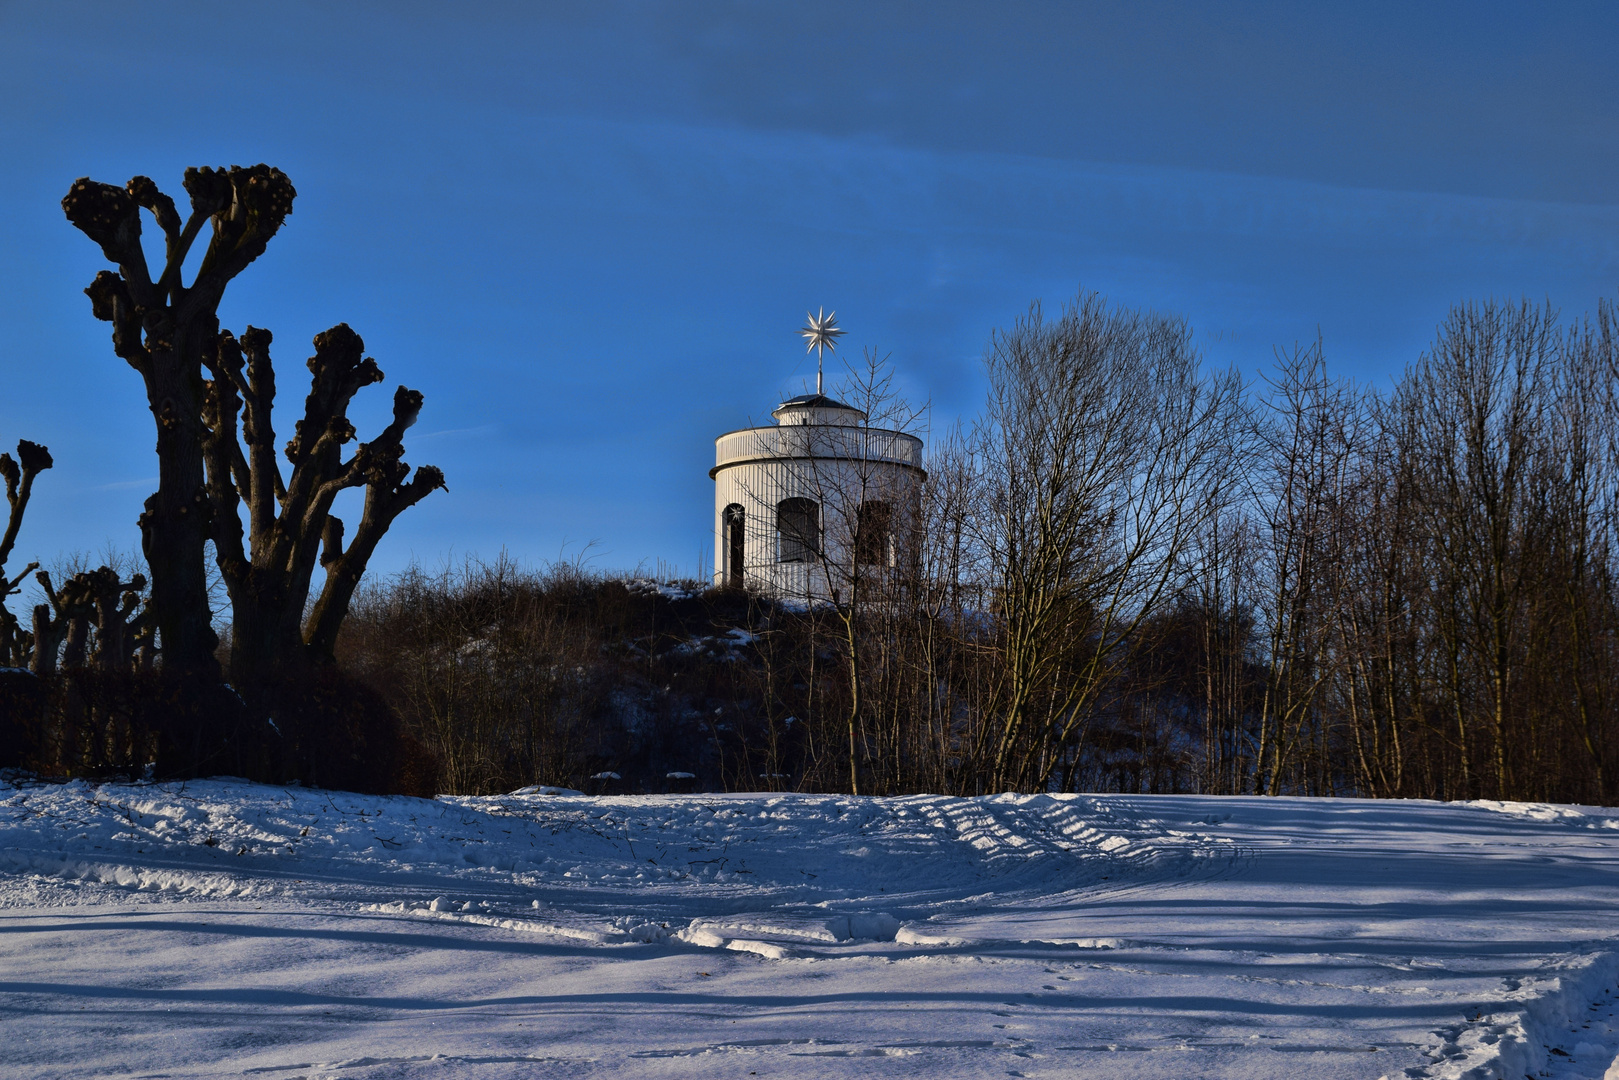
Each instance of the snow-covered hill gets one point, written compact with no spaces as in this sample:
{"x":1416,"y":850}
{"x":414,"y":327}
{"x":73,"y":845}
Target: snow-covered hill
{"x":223,"y":928}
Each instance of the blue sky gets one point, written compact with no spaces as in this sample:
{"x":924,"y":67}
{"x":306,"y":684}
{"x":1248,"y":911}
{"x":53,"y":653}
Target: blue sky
{"x":587,"y":232}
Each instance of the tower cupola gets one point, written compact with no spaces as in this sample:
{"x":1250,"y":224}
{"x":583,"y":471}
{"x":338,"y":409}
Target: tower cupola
{"x":816,"y":501}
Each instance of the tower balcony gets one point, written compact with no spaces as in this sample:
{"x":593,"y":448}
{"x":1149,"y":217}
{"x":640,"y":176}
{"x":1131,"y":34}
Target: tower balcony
{"x":815,"y":442}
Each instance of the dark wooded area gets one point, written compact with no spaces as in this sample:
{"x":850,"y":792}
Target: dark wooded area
{"x":1130,"y":575}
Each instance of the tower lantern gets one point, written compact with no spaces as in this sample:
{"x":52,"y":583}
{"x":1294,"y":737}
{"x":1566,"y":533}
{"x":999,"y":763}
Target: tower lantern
{"x":817,"y":500}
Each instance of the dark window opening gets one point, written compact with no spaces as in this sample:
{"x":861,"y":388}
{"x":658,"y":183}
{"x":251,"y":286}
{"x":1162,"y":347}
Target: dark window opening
{"x":734,"y":519}
{"x":798,"y":530}
{"x":874,"y":524}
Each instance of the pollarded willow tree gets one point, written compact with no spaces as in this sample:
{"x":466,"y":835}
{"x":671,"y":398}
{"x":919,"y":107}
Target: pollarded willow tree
{"x":161,"y":328}
{"x":201,"y":382}
{"x":290,"y":520}
{"x":32,"y":459}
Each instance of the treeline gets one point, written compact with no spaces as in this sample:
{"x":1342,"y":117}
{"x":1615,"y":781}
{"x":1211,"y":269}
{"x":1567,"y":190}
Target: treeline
{"x":1150,"y":580}
{"x":1128,"y":573}
{"x":1153,"y":580}
{"x":1131,"y":574}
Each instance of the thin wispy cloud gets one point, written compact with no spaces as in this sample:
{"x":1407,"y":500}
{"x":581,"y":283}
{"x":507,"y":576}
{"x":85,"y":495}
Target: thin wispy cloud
{"x":453,"y":433}
{"x":125,"y":485}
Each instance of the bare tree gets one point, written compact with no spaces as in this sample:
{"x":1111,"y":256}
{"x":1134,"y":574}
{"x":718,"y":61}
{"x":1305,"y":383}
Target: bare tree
{"x":1100,"y":443}
{"x":1480,"y":399}
{"x":1299,"y":480}
{"x":92,"y":620}
{"x":290,"y":528}
{"x":1583,"y":507}
{"x":169,"y":333}
{"x":865,"y":534}
{"x":31,"y":460}
{"x":162,"y":328}
{"x":948,"y":601}
{"x":1220,"y":590}
{"x":1376,"y":584}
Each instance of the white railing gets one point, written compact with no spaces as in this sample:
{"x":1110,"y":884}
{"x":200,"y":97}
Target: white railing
{"x":818,"y":441}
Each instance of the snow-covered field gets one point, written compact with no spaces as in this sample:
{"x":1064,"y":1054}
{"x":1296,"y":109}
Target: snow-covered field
{"x":221,"y":928}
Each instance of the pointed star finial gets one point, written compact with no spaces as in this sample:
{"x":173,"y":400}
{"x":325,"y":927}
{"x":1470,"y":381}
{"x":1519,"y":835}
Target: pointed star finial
{"x":820,"y":333}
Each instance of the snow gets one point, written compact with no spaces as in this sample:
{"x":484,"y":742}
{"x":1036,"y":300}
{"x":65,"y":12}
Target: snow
{"x":669,"y":590}
{"x":224,"y":928}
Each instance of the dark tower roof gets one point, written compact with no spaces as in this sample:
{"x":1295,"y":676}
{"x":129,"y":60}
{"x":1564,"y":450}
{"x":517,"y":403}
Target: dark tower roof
{"x":816,"y":401}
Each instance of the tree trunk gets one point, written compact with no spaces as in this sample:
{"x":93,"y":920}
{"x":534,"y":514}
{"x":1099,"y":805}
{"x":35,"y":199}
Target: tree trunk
{"x":176,"y":525}
{"x":164,"y":330}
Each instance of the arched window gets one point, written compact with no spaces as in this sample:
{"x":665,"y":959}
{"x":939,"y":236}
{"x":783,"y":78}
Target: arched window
{"x":798,"y":530}
{"x":873,"y":534}
{"x":733,"y":521}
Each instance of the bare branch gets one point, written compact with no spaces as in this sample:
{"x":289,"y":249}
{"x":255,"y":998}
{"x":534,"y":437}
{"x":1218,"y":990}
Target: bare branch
{"x":109,"y":216}
{"x":34,"y":460}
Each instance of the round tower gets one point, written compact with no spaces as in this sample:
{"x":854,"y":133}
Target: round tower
{"x":810,"y":505}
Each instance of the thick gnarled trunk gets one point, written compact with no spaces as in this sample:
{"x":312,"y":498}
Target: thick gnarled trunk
{"x":162,"y":328}
{"x":268,"y":568}
{"x":177,"y":520}
{"x":200,"y":383}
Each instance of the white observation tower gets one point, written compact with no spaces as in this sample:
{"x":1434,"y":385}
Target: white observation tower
{"x":805,"y":506}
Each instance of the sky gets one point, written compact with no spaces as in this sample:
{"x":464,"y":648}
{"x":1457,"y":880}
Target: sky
{"x":588,"y":232}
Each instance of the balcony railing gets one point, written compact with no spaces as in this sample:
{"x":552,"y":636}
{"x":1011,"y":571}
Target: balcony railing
{"x":817,"y":441}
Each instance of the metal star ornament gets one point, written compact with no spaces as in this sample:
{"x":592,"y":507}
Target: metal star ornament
{"x":820,"y":333}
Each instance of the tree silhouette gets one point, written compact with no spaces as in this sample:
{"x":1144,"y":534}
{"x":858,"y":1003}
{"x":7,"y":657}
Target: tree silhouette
{"x":199,"y":381}
{"x":31,"y":460}
{"x":269,"y":578}
{"x":161,"y":329}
